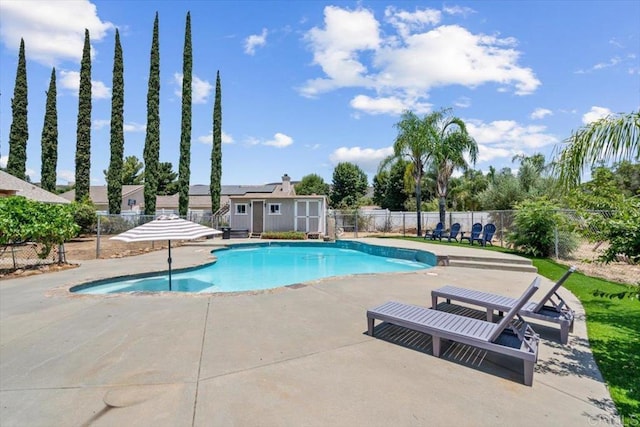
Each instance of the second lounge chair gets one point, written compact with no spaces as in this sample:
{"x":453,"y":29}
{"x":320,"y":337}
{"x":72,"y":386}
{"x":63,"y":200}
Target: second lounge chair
{"x":551,"y":308}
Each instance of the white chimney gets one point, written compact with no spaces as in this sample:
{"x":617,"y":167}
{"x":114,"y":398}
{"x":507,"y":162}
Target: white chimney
{"x":286,"y":184}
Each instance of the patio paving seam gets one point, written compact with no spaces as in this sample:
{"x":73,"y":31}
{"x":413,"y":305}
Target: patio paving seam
{"x":202,"y":343}
{"x":290,"y":359}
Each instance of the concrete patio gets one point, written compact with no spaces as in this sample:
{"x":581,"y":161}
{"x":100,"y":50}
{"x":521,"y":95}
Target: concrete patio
{"x":293,"y":356}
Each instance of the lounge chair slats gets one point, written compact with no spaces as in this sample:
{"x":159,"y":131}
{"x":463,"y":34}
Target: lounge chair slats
{"x":551,"y":308}
{"x":503,"y":337}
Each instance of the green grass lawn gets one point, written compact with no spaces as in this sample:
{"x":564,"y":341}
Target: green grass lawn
{"x":613,"y":328}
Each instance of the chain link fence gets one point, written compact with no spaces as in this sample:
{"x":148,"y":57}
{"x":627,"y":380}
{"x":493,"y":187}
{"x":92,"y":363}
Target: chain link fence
{"x":373,"y":222}
{"x":29,"y":255}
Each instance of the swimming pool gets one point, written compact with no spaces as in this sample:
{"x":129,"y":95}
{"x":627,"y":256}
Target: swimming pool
{"x":247,"y":267}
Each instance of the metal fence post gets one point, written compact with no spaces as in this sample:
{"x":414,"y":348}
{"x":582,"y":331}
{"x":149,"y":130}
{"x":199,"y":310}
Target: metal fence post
{"x":502,"y":229}
{"x":355,"y":227}
{"x":98,"y":239}
{"x":555,"y":235}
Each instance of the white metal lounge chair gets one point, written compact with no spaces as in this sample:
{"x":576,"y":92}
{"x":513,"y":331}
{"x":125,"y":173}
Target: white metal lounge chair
{"x":505,"y":337}
{"x":551,"y":308}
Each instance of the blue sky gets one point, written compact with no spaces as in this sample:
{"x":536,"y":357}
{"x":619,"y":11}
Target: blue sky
{"x":309,"y":84}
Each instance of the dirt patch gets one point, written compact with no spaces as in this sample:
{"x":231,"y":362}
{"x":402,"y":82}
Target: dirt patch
{"x":585,"y":258}
{"x":86,"y":248}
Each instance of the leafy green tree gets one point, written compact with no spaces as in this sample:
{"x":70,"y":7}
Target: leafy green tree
{"x":215,"y":186}
{"x":466,"y":189}
{"x":49,"y":141}
{"x":19,"y":131}
{"x":24,"y":220}
{"x":349,"y":185}
{"x":610,"y":139}
{"x":185,"y":133}
{"x":114,"y":175}
{"x":389,"y":187}
{"x":152,"y":140}
{"x":601,"y":193}
{"x":132,"y":173}
{"x":502,"y":193}
{"x":83,"y":132}
{"x":312,"y":184}
{"x":627,"y":176}
{"x":167,"y":179}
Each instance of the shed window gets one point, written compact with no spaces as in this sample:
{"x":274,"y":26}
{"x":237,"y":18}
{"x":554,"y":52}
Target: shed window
{"x":274,"y":208}
{"x":241,"y":209}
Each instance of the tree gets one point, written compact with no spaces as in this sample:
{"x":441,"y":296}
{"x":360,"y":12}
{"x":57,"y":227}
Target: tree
{"x":131,"y":171}
{"x":83,"y":131}
{"x":312,"y":184}
{"x":114,"y":175}
{"x":185,"y":133}
{"x":439,"y":140}
{"x":167,"y":184}
{"x":447,"y":150}
{"x":215,"y":185}
{"x":49,"y":141}
{"x":611,"y":139}
{"x":502,"y":193}
{"x":24,"y":220}
{"x":19,"y":131}
{"x":389,"y":187}
{"x":349,"y":185}
{"x":152,"y":140}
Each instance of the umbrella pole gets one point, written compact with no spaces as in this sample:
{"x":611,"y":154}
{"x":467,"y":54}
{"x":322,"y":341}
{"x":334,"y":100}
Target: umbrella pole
{"x":169,"y":260}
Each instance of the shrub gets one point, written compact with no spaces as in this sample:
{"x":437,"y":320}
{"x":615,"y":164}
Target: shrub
{"x":534,"y":228}
{"x":622,"y":231}
{"x":114,"y":224}
{"x":84,"y":214}
{"x":284,"y":235}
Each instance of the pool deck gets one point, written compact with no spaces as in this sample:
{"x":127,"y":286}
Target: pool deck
{"x":294,"y":356}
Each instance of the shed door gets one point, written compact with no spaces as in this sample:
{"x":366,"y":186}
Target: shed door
{"x":257,"y":223}
{"x":308,"y":216}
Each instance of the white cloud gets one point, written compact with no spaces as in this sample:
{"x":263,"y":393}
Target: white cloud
{"x":458,"y":10}
{"x":595,"y":114}
{"x":402,"y":62}
{"x":541,"y":113}
{"x":53,"y":31}
{"x":506,"y":138}
{"x":255,"y":40}
{"x":134,"y":127}
{"x":99,"y":124}
{"x":200,"y":89}
{"x":208,"y":139}
{"x":388,"y":105}
{"x":367,"y":158}
{"x":3,"y":161}
{"x":71,"y":80}
{"x":279,"y":140}
{"x":462,"y":102}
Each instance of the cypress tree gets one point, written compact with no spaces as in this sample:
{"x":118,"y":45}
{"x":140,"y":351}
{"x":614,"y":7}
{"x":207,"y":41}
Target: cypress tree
{"x":83,"y":132}
{"x":19,"y":132}
{"x":114,"y":176}
{"x":185,"y":133}
{"x":49,"y":141}
{"x":216,"y":149}
{"x":152,"y":140}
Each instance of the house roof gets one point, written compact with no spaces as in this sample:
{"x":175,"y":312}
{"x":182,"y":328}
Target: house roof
{"x":98,"y":193}
{"x":10,"y":183}
{"x":251,"y":196}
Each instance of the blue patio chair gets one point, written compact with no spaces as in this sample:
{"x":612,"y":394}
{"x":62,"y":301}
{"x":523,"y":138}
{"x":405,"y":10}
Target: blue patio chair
{"x":451,"y":234}
{"x":436,"y":233}
{"x":486,"y":235}
{"x":476,"y":230}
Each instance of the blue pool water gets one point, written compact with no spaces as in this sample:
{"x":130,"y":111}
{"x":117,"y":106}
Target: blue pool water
{"x":266,"y":266}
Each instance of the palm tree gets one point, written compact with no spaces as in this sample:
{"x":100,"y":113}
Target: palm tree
{"x":439,"y":140}
{"x":612,"y":138}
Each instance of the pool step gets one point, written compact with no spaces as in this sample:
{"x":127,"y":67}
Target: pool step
{"x":508,"y":264}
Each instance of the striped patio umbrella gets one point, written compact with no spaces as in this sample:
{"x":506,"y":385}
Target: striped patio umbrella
{"x":166,"y":227}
